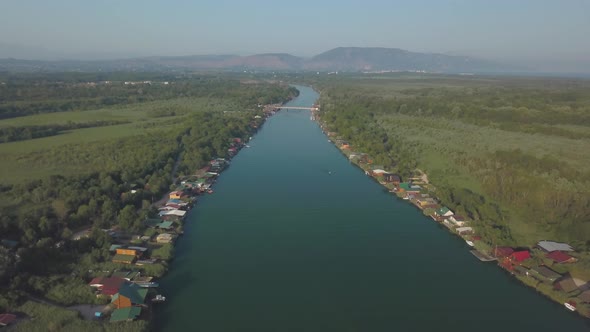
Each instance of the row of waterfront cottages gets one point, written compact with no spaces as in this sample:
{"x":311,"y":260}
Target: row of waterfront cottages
{"x":127,"y":298}
{"x":127,"y":289}
{"x":521,"y":262}
{"x":517,"y":261}
{"x":411,"y":190}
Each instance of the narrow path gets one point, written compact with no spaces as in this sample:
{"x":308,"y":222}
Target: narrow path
{"x":44,"y":301}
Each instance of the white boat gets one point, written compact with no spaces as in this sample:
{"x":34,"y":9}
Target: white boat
{"x":159,"y":298}
{"x":469,"y":243}
{"x":247,"y":145}
{"x":571,"y":306}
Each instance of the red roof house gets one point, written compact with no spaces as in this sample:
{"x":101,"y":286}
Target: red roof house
{"x":107,"y":286}
{"x":519,"y":256}
{"x":6,"y":319}
{"x":560,"y":257}
{"x":503,"y":251}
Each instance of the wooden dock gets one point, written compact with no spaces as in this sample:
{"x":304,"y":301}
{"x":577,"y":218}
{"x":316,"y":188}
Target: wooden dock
{"x":482,"y":257}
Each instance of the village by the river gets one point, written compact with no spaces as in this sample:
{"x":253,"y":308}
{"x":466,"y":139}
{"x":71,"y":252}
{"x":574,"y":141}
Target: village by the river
{"x":293,"y":237}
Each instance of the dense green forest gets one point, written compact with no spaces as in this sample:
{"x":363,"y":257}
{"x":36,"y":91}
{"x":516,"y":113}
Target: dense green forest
{"x":76,"y":167}
{"x":510,"y":153}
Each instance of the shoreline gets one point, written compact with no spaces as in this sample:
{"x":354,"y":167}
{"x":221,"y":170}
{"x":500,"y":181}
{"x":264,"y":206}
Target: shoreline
{"x":207,"y":187}
{"x":477,"y":247}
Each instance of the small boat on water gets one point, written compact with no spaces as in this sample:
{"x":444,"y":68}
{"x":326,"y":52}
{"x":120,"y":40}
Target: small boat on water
{"x":571,"y":305}
{"x":247,"y":145}
{"x":469,"y":243}
{"x":159,"y":298}
{"x":148,"y":284}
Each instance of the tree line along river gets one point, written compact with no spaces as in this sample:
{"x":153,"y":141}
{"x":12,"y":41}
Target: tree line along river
{"x":296,"y":238}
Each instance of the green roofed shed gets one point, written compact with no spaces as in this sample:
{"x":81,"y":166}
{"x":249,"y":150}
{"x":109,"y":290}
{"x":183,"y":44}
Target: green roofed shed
{"x":114,"y":247}
{"x":404,"y":186}
{"x":125,"y":314}
{"x":123,"y":259}
{"x":444,"y":212}
{"x":152,"y":222}
{"x":134,"y":293}
{"x":166,"y":224}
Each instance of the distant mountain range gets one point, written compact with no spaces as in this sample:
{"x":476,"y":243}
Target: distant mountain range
{"x":345,"y":59}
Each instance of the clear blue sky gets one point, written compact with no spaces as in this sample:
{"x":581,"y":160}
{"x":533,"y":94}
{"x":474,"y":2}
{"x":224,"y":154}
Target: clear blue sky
{"x":498,"y":29}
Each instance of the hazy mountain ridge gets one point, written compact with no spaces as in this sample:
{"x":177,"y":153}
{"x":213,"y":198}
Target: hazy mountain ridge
{"x":351,"y":59}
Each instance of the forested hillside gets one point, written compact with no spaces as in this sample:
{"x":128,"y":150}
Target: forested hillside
{"x":510,"y":153}
{"x":78,"y":153}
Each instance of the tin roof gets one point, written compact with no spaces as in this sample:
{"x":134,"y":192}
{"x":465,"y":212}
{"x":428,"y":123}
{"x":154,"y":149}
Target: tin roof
{"x":550,"y":246}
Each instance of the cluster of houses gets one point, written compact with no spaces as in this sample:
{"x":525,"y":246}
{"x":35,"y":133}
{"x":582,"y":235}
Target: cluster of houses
{"x":127,"y":298}
{"x":127,"y":288}
{"x":523,"y":262}
{"x":542,"y":264}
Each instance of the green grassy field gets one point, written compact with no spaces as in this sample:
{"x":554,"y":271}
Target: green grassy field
{"x":519,"y":144}
{"x":37,"y":158}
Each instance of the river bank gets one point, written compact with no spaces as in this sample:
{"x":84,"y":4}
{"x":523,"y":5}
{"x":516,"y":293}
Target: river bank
{"x":535,"y":267}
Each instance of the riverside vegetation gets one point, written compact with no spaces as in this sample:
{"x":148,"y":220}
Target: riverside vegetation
{"x":73,"y":147}
{"x":508,"y":153}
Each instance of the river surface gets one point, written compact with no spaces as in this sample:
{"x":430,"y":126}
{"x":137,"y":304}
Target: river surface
{"x":295,"y":238}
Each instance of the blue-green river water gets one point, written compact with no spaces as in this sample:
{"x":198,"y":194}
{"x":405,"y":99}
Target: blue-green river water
{"x":295,"y":238}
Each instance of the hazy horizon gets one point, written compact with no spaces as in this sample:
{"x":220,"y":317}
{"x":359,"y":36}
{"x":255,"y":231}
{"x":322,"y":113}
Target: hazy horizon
{"x":547,"y":34}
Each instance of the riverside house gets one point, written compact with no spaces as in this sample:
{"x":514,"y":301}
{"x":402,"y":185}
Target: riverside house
{"x":129,"y":295}
{"x":544,"y":274}
{"x":443,"y":212}
{"x":392,"y":178}
{"x":561,"y":257}
{"x":457,"y":220}
{"x":108,"y":286}
{"x":425,"y":202}
{"x":165,"y":238}
{"x":550,"y":246}
{"x":125,"y":314}
{"x":408,"y":188}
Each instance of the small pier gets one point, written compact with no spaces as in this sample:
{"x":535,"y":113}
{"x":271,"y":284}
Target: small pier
{"x":482,"y":257}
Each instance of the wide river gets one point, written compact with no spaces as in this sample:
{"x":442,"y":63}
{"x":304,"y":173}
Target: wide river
{"x":295,"y":238}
